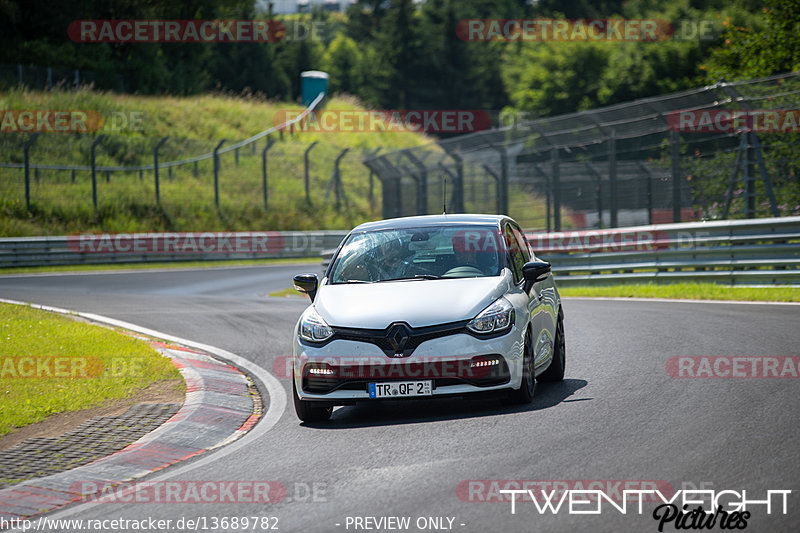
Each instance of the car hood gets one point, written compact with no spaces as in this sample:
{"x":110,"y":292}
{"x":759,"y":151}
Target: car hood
{"x":418,"y":302}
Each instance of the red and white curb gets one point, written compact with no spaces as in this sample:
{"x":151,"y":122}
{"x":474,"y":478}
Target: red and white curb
{"x":219,"y":409}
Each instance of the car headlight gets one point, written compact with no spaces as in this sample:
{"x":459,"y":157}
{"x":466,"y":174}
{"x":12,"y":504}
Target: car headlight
{"x":314,"y":329}
{"x":497,"y":317}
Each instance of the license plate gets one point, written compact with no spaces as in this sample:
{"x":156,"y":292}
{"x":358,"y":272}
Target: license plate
{"x":400,"y":389}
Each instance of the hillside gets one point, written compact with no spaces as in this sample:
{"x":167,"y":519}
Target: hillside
{"x":194,"y":126}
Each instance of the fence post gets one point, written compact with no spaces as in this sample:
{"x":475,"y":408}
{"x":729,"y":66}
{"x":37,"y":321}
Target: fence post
{"x":94,"y":171}
{"x":749,"y":179}
{"x":422,"y":181}
{"x":108,"y":176}
{"x":556,"y":189}
{"x":649,"y":191}
{"x":612,"y":178}
{"x":19,"y":73}
{"x":498,"y":195}
{"x":503,"y":191}
{"x":216,"y":173}
{"x":599,"y":183}
{"x":458,"y":184}
{"x":169,"y":171}
{"x":141,"y":175}
{"x":270,"y":142}
{"x":547,"y":194}
{"x":26,"y":150}
{"x":305,"y":172}
{"x":370,"y":195}
{"x":196,"y":170}
{"x":759,"y":157}
{"x":155,"y":167}
{"x":49,"y":78}
{"x":676,"y":170}
{"x":339,"y":188}
{"x":73,"y":175}
{"x":334,"y":182}
{"x":77,"y":79}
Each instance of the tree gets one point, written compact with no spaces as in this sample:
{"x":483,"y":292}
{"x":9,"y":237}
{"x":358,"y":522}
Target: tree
{"x":752,"y":53}
{"x":398,"y":50}
{"x":343,"y":62}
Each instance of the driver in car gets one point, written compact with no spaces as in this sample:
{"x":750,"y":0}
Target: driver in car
{"x":392,"y":265}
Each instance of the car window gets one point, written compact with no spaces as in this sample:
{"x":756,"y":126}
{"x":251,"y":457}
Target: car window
{"x":410,"y":253}
{"x":514,"y":254}
{"x":522,"y":242}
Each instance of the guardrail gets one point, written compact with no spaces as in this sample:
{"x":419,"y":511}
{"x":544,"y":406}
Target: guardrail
{"x":162,"y":247}
{"x":752,"y":252}
{"x":735,"y":252}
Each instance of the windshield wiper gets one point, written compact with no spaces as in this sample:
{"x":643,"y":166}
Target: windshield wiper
{"x":412,"y":278}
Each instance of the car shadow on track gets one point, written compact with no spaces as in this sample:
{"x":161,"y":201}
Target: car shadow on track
{"x":390,"y":412}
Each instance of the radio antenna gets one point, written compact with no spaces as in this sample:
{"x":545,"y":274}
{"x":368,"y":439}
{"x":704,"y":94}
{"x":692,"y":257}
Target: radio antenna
{"x":444,"y":197}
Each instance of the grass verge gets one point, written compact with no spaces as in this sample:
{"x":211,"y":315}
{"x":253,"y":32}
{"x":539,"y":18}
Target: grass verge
{"x":694,"y":291}
{"x":288,"y":292}
{"x":51,"y":364}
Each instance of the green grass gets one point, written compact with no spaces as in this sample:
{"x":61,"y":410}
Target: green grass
{"x":147,"y":266}
{"x":694,"y":291}
{"x":194,"y":126}
{"x":288,"y":292}
{"x":88,"y":365}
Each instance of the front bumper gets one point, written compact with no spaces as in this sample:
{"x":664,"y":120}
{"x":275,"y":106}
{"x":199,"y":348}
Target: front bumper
{"x":457,"y":364}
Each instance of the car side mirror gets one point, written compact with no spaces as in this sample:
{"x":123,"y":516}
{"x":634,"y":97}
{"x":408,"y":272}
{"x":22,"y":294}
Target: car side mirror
{"x":307,"y":284}
{"x":534,"y":271}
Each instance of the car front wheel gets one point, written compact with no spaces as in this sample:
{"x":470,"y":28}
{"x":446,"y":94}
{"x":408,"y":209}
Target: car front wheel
{"x":310,"y":411}
{"x":555,"y":372}
{"x":526,"y":389}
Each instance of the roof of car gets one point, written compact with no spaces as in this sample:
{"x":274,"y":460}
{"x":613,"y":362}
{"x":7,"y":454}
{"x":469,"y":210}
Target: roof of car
{"x":432,"y":220}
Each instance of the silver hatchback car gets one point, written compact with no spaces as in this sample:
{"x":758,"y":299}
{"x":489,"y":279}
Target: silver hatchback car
{"x":429,"y":306}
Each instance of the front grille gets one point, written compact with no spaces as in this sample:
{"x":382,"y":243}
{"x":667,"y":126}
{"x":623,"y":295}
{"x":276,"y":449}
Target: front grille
{"x":399,"y":339}
{"x":442,"y":372}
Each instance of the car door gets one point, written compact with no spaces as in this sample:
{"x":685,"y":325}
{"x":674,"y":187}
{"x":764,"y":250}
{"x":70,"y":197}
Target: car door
{"x":542,"y":303}
{"x":523,"y":301}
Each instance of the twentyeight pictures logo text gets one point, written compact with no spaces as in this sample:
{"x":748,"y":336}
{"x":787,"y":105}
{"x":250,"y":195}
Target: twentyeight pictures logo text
{"x":685,"y":509}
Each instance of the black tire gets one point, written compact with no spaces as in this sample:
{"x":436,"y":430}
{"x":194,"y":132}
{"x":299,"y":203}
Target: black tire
{"x":527,"y":387}
{"x":310,"y":411}
{"x":555,"y":372}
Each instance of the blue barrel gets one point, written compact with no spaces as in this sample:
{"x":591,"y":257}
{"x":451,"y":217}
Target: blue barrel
{"x":313,"y":83}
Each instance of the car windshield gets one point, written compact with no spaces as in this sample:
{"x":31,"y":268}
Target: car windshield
{"x":418,"y":254}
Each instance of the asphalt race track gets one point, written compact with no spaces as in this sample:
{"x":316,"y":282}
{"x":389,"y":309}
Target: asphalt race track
{"x":618,"y":415}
